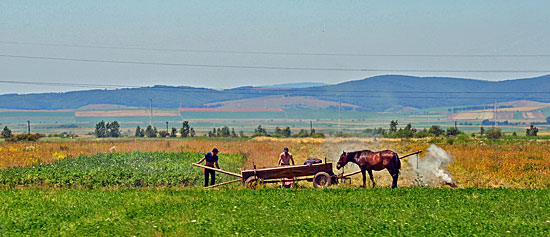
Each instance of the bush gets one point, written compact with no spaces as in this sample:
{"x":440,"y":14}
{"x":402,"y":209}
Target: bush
{"x":6,"y":132}
{"x":493,"y":133}
{"x":532,"y":131}
{"x":453,"y":131}
{"x":422,"y":133}
{"x":318,"y":135}
{"x":25,"y":137}
{"x":436,"y":131}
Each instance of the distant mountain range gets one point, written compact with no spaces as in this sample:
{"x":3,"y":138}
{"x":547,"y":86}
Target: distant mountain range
{"x":295,"y":85}
{"x":378,"y":93}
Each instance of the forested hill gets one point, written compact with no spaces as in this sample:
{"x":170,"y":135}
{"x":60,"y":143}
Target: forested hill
{"x":382,"y":92}
{"x":371,"y":94}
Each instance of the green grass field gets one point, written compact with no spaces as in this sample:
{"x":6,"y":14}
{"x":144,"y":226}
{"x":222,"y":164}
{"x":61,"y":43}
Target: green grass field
{"x":276,"y":212}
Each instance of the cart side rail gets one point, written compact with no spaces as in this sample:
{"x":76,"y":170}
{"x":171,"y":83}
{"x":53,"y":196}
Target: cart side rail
{"x":288,"y":171}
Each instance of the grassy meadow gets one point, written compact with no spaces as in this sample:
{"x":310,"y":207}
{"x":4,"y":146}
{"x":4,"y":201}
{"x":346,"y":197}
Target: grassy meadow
{"x":276,"y":212}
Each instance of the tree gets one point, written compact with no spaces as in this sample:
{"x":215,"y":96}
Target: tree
{"x":532,"y":131}
{"x":286,"y":132}
{"x":233,"y":133}
{"x":436,"y":131}
{"x":6,"y":132}
{"x":139,"y":132}
{"x":151,"y":131}
{"x":406,"y":132}
{"x":185,"y":129}
{"x":393,"y":126}
{"x":259,"y":131}
{"x":225,"y":132}
{"x":494,"y":133}
{"x":481,"y":131}
{"x":100,"y":129}
{"x":174,"y":132}
{"x":113,"y":129}
{"x":278,"y":131}
{"x":192,"y":132}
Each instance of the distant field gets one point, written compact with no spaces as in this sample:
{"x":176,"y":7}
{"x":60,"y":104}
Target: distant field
{"x":279,"y":101}
{"x":246,"y":120}
{"x":277,"y":212}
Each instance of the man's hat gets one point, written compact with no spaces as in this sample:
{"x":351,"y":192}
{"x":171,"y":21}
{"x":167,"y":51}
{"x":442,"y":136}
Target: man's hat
{"x":215,"y":150}
{"x":286,"y":149}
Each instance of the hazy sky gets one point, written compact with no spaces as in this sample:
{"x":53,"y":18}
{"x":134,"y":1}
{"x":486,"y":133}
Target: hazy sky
{"x":348,"y":27}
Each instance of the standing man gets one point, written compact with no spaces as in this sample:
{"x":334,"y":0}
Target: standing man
{"x":285,"y":158}
{"x":211,"y":159}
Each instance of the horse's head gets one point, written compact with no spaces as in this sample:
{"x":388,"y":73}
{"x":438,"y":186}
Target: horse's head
{"x":343,"y":160}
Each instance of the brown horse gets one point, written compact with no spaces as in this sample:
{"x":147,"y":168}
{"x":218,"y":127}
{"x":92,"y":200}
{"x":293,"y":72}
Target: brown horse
{"x":369,"y":161}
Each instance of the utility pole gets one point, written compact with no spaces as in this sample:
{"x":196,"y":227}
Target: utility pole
{"x":151,"y":114}
{"x":495,"y":114}
{"x":166,"y":126}
{"x":339,"y":114}
{"x":28,"y":127}
{"x":310,"y":126}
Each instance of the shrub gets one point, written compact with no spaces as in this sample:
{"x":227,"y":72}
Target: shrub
{"x":493,"y":133}
{"x":25,"y":137}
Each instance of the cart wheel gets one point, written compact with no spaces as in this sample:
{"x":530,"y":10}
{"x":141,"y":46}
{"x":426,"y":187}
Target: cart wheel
{"x":322,"y":180}
{"x":253,"y":182}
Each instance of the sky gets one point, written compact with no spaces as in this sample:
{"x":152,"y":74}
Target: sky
{"x":374,"y":29}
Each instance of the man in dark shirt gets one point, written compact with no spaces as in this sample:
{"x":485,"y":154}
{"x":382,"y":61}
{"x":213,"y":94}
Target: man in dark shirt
{"x":211,"y":159}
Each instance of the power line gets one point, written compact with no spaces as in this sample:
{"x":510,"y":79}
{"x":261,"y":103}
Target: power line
{"x":281,"y":53}
{"x":268,"y":67}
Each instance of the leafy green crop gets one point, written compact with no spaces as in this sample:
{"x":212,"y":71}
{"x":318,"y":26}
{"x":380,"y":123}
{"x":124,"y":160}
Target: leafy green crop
{"x":136,"y":169}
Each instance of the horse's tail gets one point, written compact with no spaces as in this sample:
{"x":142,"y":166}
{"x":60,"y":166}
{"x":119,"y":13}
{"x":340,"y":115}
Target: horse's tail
{"x":397,"y":161}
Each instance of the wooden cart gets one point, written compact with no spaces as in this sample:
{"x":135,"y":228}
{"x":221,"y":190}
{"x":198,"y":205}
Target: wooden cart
{"x":320,"y":174}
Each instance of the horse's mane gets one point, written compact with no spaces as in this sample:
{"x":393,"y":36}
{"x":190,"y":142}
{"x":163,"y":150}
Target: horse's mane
{"x":355,"y":152}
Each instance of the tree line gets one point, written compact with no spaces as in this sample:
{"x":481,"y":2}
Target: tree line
{"x":185,"y":131}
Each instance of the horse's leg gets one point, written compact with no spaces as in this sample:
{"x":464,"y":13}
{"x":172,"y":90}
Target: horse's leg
{"x":372,"y":178}
{"x":364,"y":178}
{"x":395,"y":176}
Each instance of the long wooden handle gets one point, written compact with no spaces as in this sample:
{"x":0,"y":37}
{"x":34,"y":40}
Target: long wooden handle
{"x":219,"y":170}
{"x":224,"y":183}
{"x":407,"y":155}
{"x":352,"y":173}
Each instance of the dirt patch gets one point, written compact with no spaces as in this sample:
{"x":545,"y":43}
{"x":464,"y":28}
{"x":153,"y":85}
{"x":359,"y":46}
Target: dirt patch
{"x":230,"y":110}
{"x":126,"y":113}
